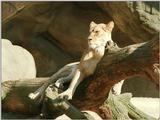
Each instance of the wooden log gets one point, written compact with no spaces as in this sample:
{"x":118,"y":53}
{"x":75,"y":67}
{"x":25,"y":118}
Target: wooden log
{"x":63,"y":105}
{"x":10,"y":87}
{"x":15,"y":96}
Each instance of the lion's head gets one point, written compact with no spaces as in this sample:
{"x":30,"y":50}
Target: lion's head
{"x":100,"y":34}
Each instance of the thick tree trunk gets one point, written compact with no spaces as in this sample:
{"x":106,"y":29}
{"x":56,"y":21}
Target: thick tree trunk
{"x":117,"y":64}
{"x":130,"y":61}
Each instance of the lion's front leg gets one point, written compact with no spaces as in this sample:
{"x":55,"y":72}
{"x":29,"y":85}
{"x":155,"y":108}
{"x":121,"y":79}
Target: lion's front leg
{"x":78,"y":77}
{"x":68,"y":94}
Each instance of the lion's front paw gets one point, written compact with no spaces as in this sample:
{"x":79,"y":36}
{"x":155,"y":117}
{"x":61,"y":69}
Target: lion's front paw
{"x":59,"y":85}
{"x":33,"y":95}
{"x":66,"y":95}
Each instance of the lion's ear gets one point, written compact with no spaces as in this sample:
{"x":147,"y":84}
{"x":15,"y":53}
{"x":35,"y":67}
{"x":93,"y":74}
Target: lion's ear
{"x":110,"y":26}
{"x":92,"y":24}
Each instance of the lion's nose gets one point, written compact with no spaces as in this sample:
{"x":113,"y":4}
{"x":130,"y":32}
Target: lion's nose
{"x":89,"y":38}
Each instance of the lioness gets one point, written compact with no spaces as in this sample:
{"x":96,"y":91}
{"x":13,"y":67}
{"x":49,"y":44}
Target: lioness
{"x":100,"y":35}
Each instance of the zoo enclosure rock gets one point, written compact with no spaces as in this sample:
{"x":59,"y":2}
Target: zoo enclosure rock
{"x":139,"y":20}
{"x":17,"y":62}
{"x":49,"y":30}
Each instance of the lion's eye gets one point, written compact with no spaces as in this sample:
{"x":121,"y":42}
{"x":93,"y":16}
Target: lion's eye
{"x":96,"y":31}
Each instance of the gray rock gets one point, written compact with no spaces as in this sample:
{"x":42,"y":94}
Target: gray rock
{"x":139,"y":20}
{"x":17,"y":62}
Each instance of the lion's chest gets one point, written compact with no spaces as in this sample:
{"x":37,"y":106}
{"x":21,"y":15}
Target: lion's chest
{"x":90,"y":60}
{"x":95,"y":54}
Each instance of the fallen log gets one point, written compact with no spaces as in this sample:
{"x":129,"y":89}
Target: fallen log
{"x":51,"y":97}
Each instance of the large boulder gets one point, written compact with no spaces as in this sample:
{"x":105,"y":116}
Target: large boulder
{"x":139,"y":20}
{"x":17,"y":62}
{"x":28,"y":28}
{"x":64,"y":28}
{"x":90,"y":115}
{"x":150,"y":106}
{"x":56,"y":26}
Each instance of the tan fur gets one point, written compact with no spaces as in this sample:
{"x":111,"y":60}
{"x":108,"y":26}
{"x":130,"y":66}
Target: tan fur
{"x":100,"y":34}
